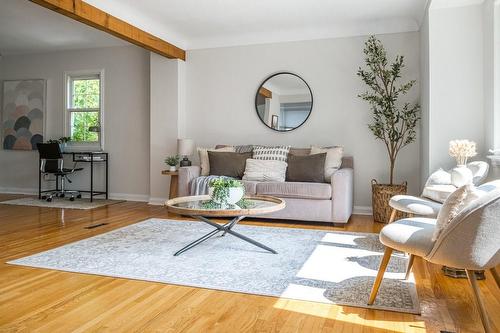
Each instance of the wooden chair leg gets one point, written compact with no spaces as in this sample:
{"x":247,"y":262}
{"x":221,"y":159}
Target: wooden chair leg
{"x":479,"y":302}
{"x":494,"y":272}
{"x":393,"y":216}
{"x":410,"y":265}
{"x":380,"y":275}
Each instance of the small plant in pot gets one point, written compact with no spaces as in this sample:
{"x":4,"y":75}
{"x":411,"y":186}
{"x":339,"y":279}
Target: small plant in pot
{"x":394,"y":122}
{"x":172,"y":162}
{"x":225,"y":191}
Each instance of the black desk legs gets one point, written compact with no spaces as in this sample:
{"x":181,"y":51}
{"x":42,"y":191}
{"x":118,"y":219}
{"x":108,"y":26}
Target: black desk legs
{"x":91,"y":178}
{"x":39,"y":179}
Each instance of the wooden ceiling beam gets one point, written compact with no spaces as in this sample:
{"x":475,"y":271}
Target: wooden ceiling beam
{"x":94,"y":17}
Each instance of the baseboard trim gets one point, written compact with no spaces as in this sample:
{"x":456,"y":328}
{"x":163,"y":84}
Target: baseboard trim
{"x":157,"y":201}
{"x":113,"y":196}
{"x":362,"y":210}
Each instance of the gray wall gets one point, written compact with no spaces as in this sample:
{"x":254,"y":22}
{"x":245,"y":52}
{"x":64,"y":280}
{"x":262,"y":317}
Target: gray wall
{"x":126,"y":113}
{"x":221,"y":86}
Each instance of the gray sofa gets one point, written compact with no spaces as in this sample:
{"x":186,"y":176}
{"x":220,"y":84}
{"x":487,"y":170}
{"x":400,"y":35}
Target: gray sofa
{"x":316,"y":202}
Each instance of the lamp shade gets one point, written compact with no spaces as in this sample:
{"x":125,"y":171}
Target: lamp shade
{"x":185,"y":147}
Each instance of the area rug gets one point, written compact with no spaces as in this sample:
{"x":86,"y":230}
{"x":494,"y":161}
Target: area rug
{"x":83,"y":203}
{"x":311,"y":265}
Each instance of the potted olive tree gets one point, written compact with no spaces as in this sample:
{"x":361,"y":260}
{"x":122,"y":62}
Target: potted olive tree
{"x":394,"y":121}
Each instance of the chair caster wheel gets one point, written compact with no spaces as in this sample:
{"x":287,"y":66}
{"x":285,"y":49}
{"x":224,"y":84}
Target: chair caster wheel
{"x":49,"y":199}
{"x":72,"y":199}
{"x":61,"y":195}
{"x":79,"y":196}
{"x":44,"y":197}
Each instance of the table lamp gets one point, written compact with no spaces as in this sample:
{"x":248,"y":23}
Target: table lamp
{"x":185,"y":148}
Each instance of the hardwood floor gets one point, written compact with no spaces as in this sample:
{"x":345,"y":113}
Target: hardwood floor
{"x":39,"y":300}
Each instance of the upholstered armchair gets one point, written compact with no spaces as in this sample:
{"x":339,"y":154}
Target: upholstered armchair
{"x":420,"y":206}
{"x":470,"y":241}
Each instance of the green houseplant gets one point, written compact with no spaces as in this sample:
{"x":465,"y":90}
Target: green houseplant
{"x":394,"y":122}
{"x":226,"y":191}
{"x":172,"y":161}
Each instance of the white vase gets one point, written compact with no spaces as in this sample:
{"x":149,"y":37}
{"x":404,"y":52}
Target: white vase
{"x":461,"y":175}
{"x":235,"y":195}
{"x":172,"y":168}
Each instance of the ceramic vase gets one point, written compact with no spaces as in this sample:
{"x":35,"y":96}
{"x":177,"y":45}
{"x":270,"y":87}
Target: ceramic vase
{"x":235,"y":195}
{"x":172,"y":168}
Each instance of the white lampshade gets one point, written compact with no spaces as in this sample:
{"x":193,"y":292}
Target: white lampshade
{"x":185,"y":147}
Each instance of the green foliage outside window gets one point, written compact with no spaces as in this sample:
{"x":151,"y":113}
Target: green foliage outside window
{"x":85,"y":95}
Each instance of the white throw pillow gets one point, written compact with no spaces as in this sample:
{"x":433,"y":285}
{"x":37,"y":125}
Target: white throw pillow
{"x":439,"y":177}
{"x":453,"y":205}
{"x":276,"y":153}
{"x":204,"y":162}
{"x":333,"y":159}
{"x":438,"y":186}
{"x":265,"y":170}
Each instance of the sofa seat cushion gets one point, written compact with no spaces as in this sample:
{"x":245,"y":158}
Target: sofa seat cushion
{"x":250,"y":187}
{"x":301,"y":190}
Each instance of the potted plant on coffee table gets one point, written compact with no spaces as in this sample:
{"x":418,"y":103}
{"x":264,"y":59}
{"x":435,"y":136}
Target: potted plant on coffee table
{"x":394,"y":122}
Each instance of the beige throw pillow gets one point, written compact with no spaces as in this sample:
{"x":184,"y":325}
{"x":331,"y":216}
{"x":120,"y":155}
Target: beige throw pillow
{"x":453,"y":205}
{"x":333,"y":159}
{"x":265,"y":170}
{"x":204,"y":162}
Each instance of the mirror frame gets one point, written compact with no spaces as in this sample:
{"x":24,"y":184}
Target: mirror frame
{"x":270,"y":77}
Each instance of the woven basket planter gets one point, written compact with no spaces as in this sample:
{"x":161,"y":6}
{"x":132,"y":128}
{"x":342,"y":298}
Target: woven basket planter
{"x":381,"y":194}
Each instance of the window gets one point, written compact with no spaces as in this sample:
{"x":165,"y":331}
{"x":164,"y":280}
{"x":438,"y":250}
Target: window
{"x":83,"y":115}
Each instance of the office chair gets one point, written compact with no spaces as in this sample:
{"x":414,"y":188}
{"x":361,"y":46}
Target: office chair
{"x":52,"y":163}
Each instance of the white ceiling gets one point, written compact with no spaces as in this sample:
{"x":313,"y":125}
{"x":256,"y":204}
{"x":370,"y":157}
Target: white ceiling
{"x":193,"y":24}
{"x":28,"y":28}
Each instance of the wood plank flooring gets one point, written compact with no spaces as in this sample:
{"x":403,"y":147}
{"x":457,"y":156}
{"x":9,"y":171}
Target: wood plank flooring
{"x":39,"y":300}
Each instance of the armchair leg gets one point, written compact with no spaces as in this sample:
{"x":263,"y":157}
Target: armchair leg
{"x":380,"y":275}
{"x":393,"y":216}
{"x":494,"y":272}
{"x":479,"y":302}
{"x":410,"y":265}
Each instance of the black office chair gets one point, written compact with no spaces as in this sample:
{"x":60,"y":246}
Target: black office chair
{"x":52,"y":163}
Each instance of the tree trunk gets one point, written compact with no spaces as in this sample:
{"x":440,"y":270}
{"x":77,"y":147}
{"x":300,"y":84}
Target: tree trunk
{"x":393,"y":162}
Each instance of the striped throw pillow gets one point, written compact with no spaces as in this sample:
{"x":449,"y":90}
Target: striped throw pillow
{"x":275,"y":153}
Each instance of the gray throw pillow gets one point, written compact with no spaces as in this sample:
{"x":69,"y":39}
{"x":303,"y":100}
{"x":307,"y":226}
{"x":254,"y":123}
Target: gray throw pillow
{"x":308,"y":168}
{"x":228,"y":163}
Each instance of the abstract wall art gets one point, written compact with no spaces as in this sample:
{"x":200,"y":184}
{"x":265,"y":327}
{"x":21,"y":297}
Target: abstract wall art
{"x":23,"y":114}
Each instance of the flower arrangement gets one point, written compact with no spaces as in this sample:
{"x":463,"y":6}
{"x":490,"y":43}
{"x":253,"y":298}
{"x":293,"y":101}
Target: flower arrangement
{"x":461,"y":150}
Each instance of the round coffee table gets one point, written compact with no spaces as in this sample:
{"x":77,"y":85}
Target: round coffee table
{"x":194,"y":206}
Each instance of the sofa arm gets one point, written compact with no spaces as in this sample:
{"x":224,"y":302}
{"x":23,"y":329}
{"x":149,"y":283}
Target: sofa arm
{"x":186,"y":175}
{"x":342,"y":195}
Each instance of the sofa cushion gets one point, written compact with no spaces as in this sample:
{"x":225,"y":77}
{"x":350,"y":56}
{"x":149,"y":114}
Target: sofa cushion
{"x":227,"y":164}
{"x":309,"y":168}
{"x":250,"y":187}
{"x":317,"y":191}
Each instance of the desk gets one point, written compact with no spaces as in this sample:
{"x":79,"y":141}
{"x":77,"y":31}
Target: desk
{"x":81,"y":157}
{"x":174,"y":182}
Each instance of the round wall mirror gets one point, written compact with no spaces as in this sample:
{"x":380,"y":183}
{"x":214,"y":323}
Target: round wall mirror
{"x":283,"y":101}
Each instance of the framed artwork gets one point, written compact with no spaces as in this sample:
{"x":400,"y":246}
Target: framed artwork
{"x":23,"y":113}
{"x":274,"y":122}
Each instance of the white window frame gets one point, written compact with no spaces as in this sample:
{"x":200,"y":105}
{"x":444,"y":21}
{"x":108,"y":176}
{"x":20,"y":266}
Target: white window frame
{"x":69,"y":76}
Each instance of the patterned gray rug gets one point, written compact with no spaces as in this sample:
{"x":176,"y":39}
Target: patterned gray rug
{"x":311,"y":265}
{"x":61,"y":203}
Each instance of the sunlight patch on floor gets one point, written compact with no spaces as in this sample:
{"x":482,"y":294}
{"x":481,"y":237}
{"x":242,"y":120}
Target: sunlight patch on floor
{"x":396,"y":322}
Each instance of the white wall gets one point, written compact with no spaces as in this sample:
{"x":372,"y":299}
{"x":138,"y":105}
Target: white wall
{"x":222,"y":83}
{"x":167,"y":120}
{"x":456,"y":81}
{"x":425,"y":92}
{"x":126,"y":115}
